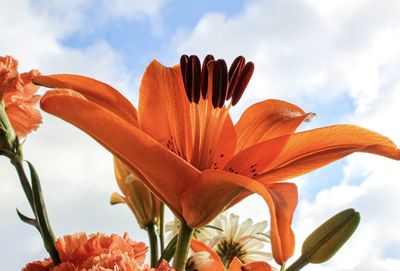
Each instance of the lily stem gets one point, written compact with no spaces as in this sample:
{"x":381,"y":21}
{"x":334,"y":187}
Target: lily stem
{"x":182,"y":247}
{"x":162,"y":229}
{"x":151,"y":231}
{"x":297,"y":265}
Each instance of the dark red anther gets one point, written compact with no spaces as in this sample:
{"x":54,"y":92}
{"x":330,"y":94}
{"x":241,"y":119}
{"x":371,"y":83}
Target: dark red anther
{"x":195,"y":67}
{"x":234,"y":73}
{"x":243,"y":80}
{"x":183,"y":62}
{"x":220,"y":83}
{"x":191,"y":72}
{"x":204,"y":75}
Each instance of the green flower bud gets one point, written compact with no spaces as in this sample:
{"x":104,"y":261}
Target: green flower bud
{"x":328,"y":238}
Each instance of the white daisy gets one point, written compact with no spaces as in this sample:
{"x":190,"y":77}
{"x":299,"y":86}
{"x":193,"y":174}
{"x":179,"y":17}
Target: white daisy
{"x":244,"y":240}
{"x":230,"y":239}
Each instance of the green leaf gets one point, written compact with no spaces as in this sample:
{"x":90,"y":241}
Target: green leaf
{"x":213,"y":227}
{"x":328,"y":238}
{"x":169,"y":251}
{"x":41,"y":215}
{"x":28,"y":220}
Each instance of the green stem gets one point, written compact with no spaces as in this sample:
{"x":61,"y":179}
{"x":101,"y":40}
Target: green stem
{"x":151,"y":231}
{"x":182,"y":247}
{"x":298,"y":264}
{"x":6,"y":127}
{"x":36,"y":201}
{"x":162,"y":229}
{"x":24,"y":182}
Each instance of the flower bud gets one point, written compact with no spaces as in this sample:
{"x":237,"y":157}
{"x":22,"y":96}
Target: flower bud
{"x":328,"y":238}
{"x":144,"y":205}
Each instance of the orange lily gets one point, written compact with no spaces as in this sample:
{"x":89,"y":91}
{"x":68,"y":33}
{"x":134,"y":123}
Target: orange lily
{"x":183,"y":145}
{"x":217,"y":265}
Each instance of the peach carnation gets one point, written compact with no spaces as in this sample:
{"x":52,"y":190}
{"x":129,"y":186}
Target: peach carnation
{"x":9,"y":77}
{"x":98,"y":252}
{"x":17,"y":92}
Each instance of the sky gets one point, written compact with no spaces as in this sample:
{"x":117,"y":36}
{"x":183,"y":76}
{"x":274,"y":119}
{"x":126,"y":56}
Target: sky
{"x":339,"y":59}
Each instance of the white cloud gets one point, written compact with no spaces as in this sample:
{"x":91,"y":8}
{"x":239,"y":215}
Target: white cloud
{"x":376,"y":241}
{"x":134,"y":9}
{"x":305,"y":48}
{"x":370,"y":185}
{"x":76,"y":172}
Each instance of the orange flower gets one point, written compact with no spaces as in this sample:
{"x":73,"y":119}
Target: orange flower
{"x":164,"y":266}
{"x":185,"y":148}
{"x":213,"y":261}
{"x":17,"y":93}
{"x":95,"y":252}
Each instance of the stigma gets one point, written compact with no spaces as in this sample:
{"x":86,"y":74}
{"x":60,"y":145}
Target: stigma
{"x":212,"y":80}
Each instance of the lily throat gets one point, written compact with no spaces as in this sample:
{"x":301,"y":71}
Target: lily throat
{"x":211,"y":89}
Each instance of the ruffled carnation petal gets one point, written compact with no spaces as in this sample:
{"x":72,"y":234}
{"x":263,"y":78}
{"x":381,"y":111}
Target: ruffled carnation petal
{"x":18,"y":94}
{"x":10,"y":80}
{"x":98,"y":252}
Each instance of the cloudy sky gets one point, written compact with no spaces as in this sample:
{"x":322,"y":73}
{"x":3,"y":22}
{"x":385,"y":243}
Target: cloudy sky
{"x":340,"y":59}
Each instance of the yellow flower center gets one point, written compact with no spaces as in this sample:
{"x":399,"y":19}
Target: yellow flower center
{"x":228,"y":250}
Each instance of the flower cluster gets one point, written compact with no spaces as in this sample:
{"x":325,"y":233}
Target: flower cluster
{"x":97,"y":252}
{"x":181,"y":150}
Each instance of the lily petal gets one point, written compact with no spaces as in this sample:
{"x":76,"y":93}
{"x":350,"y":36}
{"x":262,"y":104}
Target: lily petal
{"x":257,"y":266}
{"x":226,"y":145}
{"x":93,"y":90}
{"x":164,"y":107}
{"x":217,"y":265}
{"x":296,"y":154}
{"x":219,"y":188}
{"x":236,"y":265}
{"x":310,"y":150}
{"x":284,"y":201}
{"x":266,"y":120}
{"x":216,"y":193}
{"x":151,"y":162}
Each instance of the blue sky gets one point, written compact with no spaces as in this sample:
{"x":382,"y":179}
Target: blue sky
{"x":338,"y":59}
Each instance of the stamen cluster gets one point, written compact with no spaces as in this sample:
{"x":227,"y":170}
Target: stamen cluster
{"x":213,"y":80}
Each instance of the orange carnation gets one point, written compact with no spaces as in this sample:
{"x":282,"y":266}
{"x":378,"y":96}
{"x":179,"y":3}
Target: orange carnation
{"x":17,"y":93}
{"x":96,"y":252}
